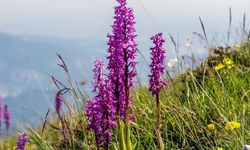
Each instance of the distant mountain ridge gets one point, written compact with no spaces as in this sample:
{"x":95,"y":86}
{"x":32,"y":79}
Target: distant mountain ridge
{"x":27,"y":62}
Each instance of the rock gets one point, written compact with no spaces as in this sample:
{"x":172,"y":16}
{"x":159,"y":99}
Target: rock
{"x":246,"y":147}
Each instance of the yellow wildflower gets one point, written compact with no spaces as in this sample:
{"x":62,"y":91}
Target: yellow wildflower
{"x":219,"y":66}
{"x":228,"y":61}
{"x":236,"y":46}
{"x":211,"y":126}
{"x":232,"y":125}
{"x":219,"y":148}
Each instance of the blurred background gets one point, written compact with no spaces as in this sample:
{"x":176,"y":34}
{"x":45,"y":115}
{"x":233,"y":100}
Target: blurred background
{"x":32,"y":32}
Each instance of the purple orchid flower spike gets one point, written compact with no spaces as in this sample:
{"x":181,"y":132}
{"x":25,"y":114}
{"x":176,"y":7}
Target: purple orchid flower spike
{"x":156,"y":82}
{"x":1,"y":107}
{"x":7,"y":117}
{"x":58,"y":102}
{"x":122,"y":52}
{"x":100,"y":110}
{"x":157,"y":65}
{"x":22,"y":141}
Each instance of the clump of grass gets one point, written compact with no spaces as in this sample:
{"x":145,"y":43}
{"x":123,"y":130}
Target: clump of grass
{"x":197,"y":98}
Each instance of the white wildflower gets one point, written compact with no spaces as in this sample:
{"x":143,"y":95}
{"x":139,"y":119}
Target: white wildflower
{"x":172,"y":62}
{"x":188,"y":42}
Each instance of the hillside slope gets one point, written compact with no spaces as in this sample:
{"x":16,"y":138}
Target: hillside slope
{"x":205,"y":108}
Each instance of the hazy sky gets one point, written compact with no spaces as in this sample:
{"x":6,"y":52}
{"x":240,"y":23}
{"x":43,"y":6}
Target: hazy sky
{"x":92,"y":18}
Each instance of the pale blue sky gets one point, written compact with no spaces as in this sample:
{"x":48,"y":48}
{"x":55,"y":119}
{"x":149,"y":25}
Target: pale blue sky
{"x":92,"y":18}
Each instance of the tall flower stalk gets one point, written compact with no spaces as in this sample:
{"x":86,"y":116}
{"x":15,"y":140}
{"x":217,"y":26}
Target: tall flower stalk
{"x":7,"y":117}
{"x":156,"y":82}
{"x":58,"y":102}
{"x":100,"y":110}
{"x":58,"y":108}
{"x":122,"y":51}
{"x":1,"y":111}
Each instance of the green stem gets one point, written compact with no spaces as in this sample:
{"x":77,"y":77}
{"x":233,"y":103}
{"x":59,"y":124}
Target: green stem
{"x":127,"y":96}
{"x":121,"y":135}
{"x":127,"y":124}
{"x":127,"y":135}
{"x":159,"y":140}
{"x":158,"y":123}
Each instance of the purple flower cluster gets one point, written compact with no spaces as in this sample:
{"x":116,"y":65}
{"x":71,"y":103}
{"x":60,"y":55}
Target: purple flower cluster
{"x":7,"y":116}
{"x":122,"y":51}
{"x":123,"y":2}
{"x":22,"y":141}
{"x":98,"y":76}
{"x":113,"y":98}
{"x":157,"y":65}
{"x":58,"y":102}
{"x":100,"y":110}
